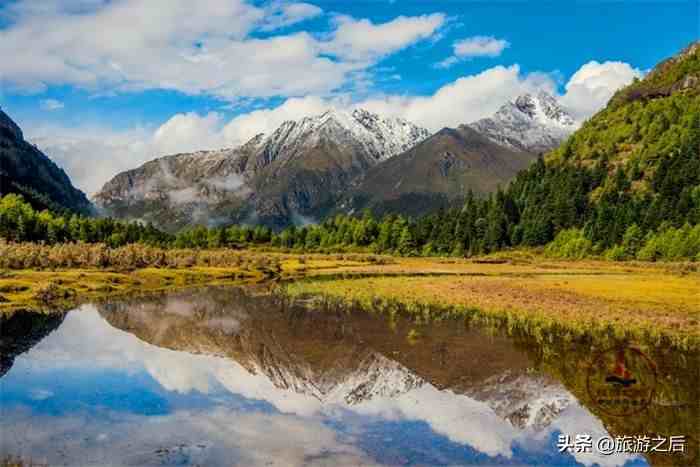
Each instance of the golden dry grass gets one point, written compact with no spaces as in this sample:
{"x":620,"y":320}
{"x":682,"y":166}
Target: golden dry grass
{"x":73,"y":278}
{"x":639,"y":298}
{"x":65,"y":288}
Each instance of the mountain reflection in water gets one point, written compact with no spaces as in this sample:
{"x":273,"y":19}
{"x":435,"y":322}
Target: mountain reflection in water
{"x":231,"y":376}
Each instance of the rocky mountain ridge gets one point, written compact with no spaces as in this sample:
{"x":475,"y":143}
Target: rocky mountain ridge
{"x":441,"y":170}
{"x":337,"y":161}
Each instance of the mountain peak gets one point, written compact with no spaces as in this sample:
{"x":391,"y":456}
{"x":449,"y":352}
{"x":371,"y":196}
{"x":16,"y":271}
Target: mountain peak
{"x":526,"y":104}
{"x":542,"y":107}
{"x":380,"y":137}
{"x":530,"y":122}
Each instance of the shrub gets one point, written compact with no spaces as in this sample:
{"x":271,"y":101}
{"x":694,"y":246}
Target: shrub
{"x":671,"y":244}
{"x":616,"y":253}
{"x":570,"y":244}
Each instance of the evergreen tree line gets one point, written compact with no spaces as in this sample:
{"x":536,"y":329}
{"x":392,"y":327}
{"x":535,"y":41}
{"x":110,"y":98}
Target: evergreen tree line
{"x":20,"y":222}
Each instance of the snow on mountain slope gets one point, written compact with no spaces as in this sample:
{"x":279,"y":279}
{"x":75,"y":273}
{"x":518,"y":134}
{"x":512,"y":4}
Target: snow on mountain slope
{"x":529,"y":123}
{"x":380,"y":138}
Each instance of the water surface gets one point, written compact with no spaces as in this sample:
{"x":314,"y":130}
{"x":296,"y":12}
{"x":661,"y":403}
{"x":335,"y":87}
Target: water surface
{"x":234,"y":376}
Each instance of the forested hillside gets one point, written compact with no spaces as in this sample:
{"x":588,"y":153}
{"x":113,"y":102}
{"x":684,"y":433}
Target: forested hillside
{"x":26,"y":170}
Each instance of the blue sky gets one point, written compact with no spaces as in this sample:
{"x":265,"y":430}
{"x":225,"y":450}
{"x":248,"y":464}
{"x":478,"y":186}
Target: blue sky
{"x":103,"y":85}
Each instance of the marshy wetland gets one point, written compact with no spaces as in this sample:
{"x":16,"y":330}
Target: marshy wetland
{"x":654,"y":301}
{"x":249,"y":357}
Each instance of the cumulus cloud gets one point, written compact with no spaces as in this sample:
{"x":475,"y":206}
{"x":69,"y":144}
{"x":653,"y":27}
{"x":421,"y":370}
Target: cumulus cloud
{"x":477,"y":46}
{"x":51,"y":104}
{"x":189,"y":132}
{"x":462,"y":101}
{"x":590,"y":88}
{"x":130,"y":45}
{"x":364,"y":40}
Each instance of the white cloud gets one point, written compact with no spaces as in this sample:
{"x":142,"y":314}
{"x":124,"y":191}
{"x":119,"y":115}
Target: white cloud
{"x":590,"y":88}
{"x":448,"y":62}
{"x":51,"y":104}
{"x":90,"y":155}
{"x":363,"y":40}
{"x":465,"y":100}
{"x":480,"y":46}
{"x":477,"y":46}
{"x":189,"y":132}
{"x":130,"y":45}
{"x":281,"y":15}
{"x":124,"y":41}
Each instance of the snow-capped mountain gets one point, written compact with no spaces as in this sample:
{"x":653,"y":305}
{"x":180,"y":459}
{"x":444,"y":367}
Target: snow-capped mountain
{"x":378,"y":137}
{"x":274,"y":179}
{"x":532,"y":123}
{"x":373,"y":376}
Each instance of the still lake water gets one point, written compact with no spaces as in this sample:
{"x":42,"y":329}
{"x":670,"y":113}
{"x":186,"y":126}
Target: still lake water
{"x":232,"y":376}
